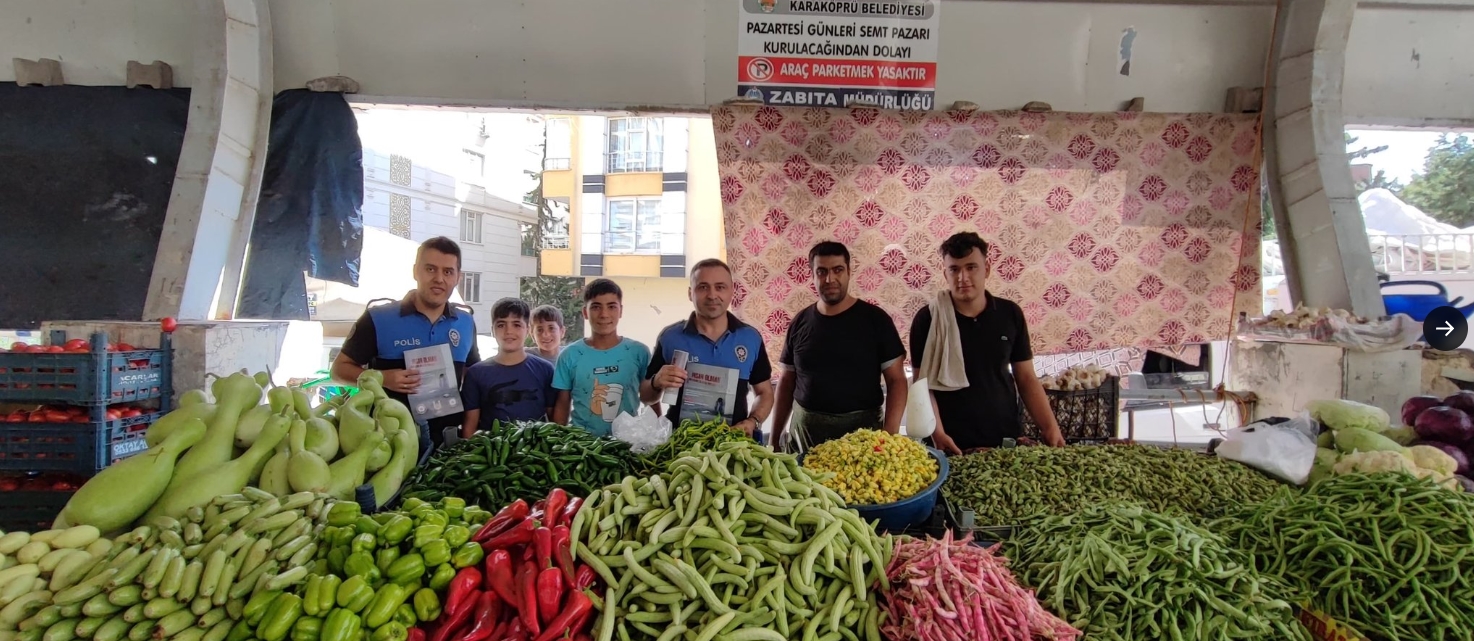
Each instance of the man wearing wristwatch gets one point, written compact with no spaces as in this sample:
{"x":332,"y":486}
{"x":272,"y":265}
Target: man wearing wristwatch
{"x":726,"y":359}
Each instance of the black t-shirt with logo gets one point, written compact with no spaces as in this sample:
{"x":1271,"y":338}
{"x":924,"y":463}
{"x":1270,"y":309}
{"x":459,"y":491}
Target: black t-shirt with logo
{"x":839,"y":358}
{"x":987,"y":411}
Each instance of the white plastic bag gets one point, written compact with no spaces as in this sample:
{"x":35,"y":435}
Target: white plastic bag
{"x":919,"y":420}
{"x":1284,"y":451}
{"x":643,"y":432}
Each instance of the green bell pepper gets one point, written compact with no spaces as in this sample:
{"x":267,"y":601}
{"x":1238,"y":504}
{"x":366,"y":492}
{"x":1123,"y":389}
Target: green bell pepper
{"x":383,"y":517}
{"x":365,"y":543}
{"x":307,"y":629}
{"x":355,"y":594}
{"x":442,"y":577}
{"x":405,"y":615}
{"x":391,"y":632}
{"x":366,"y":525}
{"x":344,"y":513}
{"x":327,"y":596}
{"x":427,"y":605}
{"x":406,"y":569}
{"x":396,"y":529}
{"x":337,"y":557}
{"x":341,"y":625}
{"x":436,"y":552}
{"x":412,"y":503}
{"x":453,"y":506}
{"x":427,"y":533}
{"x":362,"y":564}
{"x":457,"y":535}
{"x":241,"y":631}
{"x":381,"y":610}
{"x":284,"y":611}
{"x":256,"y":607}
{"x":385,"y":558}
{"x":467,"y":555}
{"x":311,"y":597}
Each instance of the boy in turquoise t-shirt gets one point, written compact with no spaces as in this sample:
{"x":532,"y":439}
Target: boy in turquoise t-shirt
{"x":599,"y":377}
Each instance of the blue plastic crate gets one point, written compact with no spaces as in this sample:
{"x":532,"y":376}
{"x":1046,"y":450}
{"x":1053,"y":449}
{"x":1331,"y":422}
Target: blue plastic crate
{"x":31,"y":510}
{"x":84,"y":448}
{"x":98,"y":377}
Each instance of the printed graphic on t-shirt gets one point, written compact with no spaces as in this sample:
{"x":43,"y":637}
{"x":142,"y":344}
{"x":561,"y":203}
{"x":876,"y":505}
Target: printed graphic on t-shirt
{"x":606,"y":397}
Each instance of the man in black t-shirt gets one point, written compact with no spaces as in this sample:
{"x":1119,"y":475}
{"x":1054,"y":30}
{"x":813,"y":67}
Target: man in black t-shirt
{"x":835,"y":355}
{"x":997,"y":358}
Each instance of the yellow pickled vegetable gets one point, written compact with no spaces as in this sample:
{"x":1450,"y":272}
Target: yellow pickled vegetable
{"x":870,"y":467}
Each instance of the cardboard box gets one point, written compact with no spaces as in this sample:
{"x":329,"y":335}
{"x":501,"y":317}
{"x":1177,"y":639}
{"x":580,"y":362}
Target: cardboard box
{"x":1324,"y":628}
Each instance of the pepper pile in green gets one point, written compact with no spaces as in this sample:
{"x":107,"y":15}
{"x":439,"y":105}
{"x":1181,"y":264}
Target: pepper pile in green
{"x":1013,"y":485}
{"x":1390,"y":555}
{"x":692,"y":435}
{"x":1119,"y":572}
{"x":524,"y":461}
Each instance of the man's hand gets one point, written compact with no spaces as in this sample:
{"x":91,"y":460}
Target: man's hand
{"x":748,"y":426}
{"x":669,"y":377}
{"x":945,"y":443}
{"x":404,"y":381}
{"x":1053,"y":438}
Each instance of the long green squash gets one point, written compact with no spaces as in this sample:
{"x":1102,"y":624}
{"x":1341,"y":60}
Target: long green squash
{"x":306,"y":471}
{"x":322,"y":438}
{"x":121,"y":493}
{"x":348,"y":472}
{"x":228,"y":478}
{"x":234,"y":394}
{"x":354,"y":425}
{"x":274,"y":475}
{"x":162,"y":428}
{"x":387,"y":481}
{"x":250,"y":424}
{"x":383,"y":453}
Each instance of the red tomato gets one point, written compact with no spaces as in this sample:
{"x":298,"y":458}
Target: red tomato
{"x":124,"y":347}
{"x":18,"y":346}
{"x":168,"y":324}
{"x":55,"y":349}
{"x":35,"y":349}
{"x":9,"y":484}
{"x":63,"y":486}
{"x":76,"y":343}
{"x":132,"y":412}
{"x":113,"y":415}
{"x":36,"y":417}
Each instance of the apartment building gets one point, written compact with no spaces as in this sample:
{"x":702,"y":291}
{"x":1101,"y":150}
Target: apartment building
{"x":644,"y":205}
{"x":434,"y":173}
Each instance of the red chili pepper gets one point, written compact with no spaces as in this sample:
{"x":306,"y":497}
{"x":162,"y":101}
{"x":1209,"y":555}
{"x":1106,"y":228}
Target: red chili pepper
{"x":571,"y":510}
{"x":462,"y":591}
{"x":451,"y":623}
{"x":563,"y":552}
{"x":541,"y":505}
{"x":578,"y":607}
{"x":499,"y":577}
{"x":584,"y":578}
{"x":504,"y":520}
{"x":488,"y":616}
{"x":519,"y":534}
{"x":527,"y":589}
{"x":515,"y":631}
{"x":582,"y":636}
{"x":416,"y":634}
{"x":542,"y":545}
{"x":549,"y":593}
{"x":557,"y":500}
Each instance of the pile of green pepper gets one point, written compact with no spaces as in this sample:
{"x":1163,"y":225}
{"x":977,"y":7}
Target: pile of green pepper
{"x":375,"y":578}
{"x":1119,"y":572}
{"x":1010,"y":486}
{"x":692,"y":435}
{"x":524,"y":461}
{"x":1390,"y":555}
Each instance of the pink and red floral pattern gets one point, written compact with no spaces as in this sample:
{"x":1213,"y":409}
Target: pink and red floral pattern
{"x":1116,"y":232}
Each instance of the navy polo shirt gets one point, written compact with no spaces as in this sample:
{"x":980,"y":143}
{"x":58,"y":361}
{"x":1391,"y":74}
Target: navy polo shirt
{"x":740,"y":348}
{"x":386,"y":331}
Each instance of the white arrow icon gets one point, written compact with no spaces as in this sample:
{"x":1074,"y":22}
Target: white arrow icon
{"x":1447,"y":329}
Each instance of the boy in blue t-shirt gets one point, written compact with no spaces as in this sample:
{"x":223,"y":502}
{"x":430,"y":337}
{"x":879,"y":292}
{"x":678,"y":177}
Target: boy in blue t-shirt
{"x":513,"y":385}
{"x":598,"y":378}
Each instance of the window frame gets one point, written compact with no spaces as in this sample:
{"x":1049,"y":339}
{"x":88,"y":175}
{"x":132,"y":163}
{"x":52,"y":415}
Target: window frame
{"x":644,"y":212}
{"x":479,"y":224}
{"x":558,"y":153}
{"x":527,"y":237}
{"x":466,"y":155}
{"x":652,"y":154}
{"x":468,"y":293}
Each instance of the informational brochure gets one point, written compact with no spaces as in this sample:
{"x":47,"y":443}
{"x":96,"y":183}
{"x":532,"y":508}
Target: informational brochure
{"x":439,"y":395}
{"x":710,"y":392}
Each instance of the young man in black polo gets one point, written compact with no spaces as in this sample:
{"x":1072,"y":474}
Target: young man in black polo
{"x":993,"y":339}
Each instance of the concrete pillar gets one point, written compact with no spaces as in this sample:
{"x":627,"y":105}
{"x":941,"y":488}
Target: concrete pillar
{"x":1322,"y":234}
{"x":213,"y":204}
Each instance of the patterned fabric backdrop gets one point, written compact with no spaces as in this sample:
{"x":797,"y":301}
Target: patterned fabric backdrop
{"x":1111,"y":230}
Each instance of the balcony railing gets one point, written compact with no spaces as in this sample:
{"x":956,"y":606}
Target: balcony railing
{"x":622,"y":162}
{"x":555,"y":241}
{"x":557,"y":164}
{"x":1423,"y":253}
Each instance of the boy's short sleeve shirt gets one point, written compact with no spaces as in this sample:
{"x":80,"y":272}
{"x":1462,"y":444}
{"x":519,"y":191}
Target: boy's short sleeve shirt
{"x":521,"y":392}
{"x":603,"y":383}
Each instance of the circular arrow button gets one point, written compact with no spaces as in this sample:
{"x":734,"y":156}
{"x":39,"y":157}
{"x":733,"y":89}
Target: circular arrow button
{"x":1445,"y":328}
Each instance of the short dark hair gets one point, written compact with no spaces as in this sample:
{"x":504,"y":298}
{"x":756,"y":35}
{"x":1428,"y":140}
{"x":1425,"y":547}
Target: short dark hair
{"x":709,"y":262}
{"x":510,"y":307}
{"x":960,"y":244}
{"x":546,"y":313}
{"x":602,"y":286}
{"x":829,"y":248}
{"x":443,"y":245}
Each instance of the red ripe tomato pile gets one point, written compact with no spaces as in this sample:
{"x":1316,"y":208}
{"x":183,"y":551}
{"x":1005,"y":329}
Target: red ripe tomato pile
{"x":69,"y":414}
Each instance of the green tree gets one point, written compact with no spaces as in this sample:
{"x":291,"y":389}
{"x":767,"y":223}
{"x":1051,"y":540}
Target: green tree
{"x":1378,"y":180}
{"x":563,"y":292}
{"x":1363,"y":152}
{"x":1445,"y":189}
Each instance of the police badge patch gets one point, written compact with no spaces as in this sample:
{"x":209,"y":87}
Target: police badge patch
{"x":741,"y":353}
{"x":455,"y":338}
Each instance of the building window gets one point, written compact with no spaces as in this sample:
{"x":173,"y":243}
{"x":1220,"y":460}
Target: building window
{"x":471,"y":286}
{"x":529,"y":239}
{"x":475,"y":165}
{"x":559,"y":153}
{"x":635,"y":144}
{"x":632,"y":226}
{"x":471,"y":226}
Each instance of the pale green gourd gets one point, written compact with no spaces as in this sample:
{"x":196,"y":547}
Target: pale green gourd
{"x":380,"y":457}
{"x":193,"y":397}
{"x":353,"y":427}
{"x":306,"y":472}
{"x":322,"y":438}
{"x":162,"y":428}
{"x":274,"y":475}
{"x":121,"y":493}
{"x":348,"y":472}
{"x":387,"y":481}
{"x":234,"y":395}
{"x":250,"y":425}
{"x":228,"y":478}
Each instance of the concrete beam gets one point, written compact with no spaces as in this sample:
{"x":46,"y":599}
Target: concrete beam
{"x":1323,"y":239}
{"x":220,"y":164}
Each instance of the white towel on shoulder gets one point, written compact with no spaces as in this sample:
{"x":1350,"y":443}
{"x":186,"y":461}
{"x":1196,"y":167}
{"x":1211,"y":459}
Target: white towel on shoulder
{"x":941,"y":360}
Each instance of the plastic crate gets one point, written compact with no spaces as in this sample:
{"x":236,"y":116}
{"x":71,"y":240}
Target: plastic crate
{"x":84,"y":448}
{"x":98,"y":377}
{"x":1085,"y":416}
{"x":34,"y":504}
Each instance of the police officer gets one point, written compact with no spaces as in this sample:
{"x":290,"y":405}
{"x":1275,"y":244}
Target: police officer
{"x":425,"y":317}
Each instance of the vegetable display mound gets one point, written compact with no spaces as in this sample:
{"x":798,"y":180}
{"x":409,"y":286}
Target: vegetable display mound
{"x":524,"y":461}
{"x":739,"y":541}
{"x":871,"y":467}
{"x":1010,"y":486}
{"x":1120,"y":572}
{"x":945,"y":589}
{"x":1387,"y":554}
{"x":692,"y":435}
